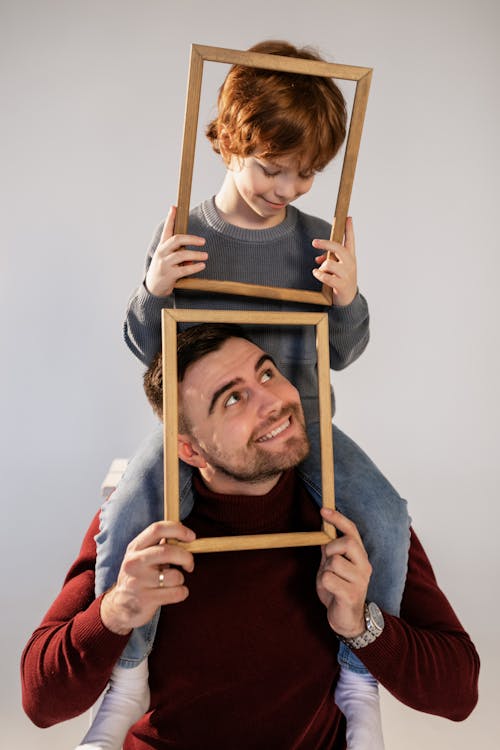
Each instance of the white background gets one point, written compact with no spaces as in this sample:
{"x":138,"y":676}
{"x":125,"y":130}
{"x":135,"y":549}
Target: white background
{"x":92,"y":108}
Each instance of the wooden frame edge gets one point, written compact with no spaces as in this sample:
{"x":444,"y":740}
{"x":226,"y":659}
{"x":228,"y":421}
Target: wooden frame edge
{"x":362,"y":77}
{"x":170,"y":319}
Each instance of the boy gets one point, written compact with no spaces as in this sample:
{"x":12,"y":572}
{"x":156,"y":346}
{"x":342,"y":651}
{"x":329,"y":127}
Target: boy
{"x":274,"y":132}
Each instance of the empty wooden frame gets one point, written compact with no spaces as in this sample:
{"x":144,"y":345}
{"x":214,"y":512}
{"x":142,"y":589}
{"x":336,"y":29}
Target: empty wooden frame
{"x":362,"y":76}
{"x":170,"y":319}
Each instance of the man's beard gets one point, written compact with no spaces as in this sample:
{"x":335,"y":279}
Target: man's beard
{"x":258,"y":464}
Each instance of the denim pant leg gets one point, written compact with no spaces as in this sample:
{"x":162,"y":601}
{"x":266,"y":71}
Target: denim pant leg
{"x":136,"y":502}
{"x":366,"y":497}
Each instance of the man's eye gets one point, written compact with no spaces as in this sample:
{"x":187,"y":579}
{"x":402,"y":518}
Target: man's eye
{"x":266,"y":375}
{"x":233,"y":399}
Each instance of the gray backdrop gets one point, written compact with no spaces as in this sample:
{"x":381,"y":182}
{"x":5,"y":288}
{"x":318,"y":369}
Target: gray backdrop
{"x":93,"y":97}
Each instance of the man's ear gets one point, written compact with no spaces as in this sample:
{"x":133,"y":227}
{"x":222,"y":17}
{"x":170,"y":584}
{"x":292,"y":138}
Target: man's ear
{"x":188,"y":452}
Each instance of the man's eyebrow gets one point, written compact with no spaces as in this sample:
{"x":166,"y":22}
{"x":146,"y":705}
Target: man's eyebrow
{"x":231,"y":383}
{"x":218,"y":393}
{"x":265,"y":357}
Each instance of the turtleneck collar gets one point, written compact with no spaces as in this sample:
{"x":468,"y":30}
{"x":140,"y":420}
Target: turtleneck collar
{"x":247,"y":514}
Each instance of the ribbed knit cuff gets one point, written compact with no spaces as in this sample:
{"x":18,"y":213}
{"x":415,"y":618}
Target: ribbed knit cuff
{"x":150,"y":303}
{"x":92,"y":637}
{"x":384,"y":649}
{"x":354,"y":313}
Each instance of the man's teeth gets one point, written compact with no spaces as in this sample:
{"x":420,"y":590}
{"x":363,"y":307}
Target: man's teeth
{"x":274,"y":432}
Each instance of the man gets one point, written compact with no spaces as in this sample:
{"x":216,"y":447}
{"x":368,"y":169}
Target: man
{"x":248,"y":658}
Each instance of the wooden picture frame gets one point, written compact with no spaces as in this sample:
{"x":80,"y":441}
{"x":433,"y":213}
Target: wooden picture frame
{"x":362,"y":76}
{"x":170,"y":319}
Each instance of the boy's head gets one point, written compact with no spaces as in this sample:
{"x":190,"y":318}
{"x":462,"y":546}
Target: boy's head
{"x":272,"y":113}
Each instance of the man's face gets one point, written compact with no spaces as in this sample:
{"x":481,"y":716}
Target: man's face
{"x":245,"y":418}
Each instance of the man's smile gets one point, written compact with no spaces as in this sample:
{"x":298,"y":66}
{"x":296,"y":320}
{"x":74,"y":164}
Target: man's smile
{"x":276,"y":431}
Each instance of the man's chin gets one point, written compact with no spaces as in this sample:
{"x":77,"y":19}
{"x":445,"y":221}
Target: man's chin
{"x":268,"y":465}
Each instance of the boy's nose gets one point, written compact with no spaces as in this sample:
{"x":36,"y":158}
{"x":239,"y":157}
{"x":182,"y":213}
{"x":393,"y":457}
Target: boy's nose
{"x":286,"y":189}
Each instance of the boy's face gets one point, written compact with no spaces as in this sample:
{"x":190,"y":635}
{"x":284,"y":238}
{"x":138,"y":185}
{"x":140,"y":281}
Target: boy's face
{"x":264,"y":187}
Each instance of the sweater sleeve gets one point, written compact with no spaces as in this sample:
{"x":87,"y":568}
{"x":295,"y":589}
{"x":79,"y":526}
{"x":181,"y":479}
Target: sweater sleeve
{"x":425,"y":658}
{"x":349,"y":330}
{"x":68,"y":659}
{"x":142,"y":326}
{"x":349,"y":325}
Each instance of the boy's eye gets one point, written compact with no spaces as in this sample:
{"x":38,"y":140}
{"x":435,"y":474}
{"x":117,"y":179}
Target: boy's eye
{"x":268,"y":173}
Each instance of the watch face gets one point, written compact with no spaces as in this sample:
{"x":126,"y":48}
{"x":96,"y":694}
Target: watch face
{"x":376,"y":615}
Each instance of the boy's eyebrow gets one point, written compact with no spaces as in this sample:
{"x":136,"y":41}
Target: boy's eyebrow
{"x":276,"y":165}
{"x":271,"y":163}
{"x":231,"y":383}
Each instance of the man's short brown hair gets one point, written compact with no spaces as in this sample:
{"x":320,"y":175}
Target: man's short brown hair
{"x":276,"y":113}
{"x":192,"y":344}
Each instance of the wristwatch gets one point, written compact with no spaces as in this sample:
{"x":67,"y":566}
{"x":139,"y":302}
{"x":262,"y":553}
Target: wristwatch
{"x":374,"y":621}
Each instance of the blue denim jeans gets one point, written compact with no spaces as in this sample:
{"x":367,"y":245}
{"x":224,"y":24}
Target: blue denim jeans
{"x":362,"y":494}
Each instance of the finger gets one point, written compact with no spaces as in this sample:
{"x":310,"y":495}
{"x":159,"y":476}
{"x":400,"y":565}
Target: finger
{"x":343,"y":568}
{"x":325,"y":278}
{"x":174,"y":595}
{"x":188,"y":270}
{"x":179,"y":241}
{"x":168,"y":227}
{"x":345,"y":593}
{"x":332,"y":249}
{"x":159,"y":530}
{"x":333,"y":267}
{"x":347,"y":548}
{"x":349,"y":236}
{"x":162,"y":554}
{"x":341,"y":523}
{"x":166,"y":578}
{"x":327,"y":246}
{"x":185,"y":256}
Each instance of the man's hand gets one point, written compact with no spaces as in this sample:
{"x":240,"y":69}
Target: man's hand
{"x":146,"y":581}
{"x":169,"y":264}
{"x":343,"y":577}
{"x":339,"y":272}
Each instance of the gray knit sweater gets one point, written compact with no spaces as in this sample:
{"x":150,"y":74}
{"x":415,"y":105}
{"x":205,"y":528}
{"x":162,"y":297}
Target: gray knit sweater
{"x":278,"y":256}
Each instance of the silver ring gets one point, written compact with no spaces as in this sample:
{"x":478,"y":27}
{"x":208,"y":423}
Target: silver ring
{"x":161,"y":579}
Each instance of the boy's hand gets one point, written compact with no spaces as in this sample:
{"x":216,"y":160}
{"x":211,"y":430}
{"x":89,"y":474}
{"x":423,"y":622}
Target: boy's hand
{"x":168,"y":263}
{"x":338,"y":272}
{"x":146,"y":581}
{"x":343,"y":577}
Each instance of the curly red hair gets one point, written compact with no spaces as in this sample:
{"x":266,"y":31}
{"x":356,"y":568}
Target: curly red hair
{"x":273,"y":113}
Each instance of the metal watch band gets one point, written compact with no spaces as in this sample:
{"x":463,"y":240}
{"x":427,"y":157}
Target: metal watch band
{"x":374,"y":621}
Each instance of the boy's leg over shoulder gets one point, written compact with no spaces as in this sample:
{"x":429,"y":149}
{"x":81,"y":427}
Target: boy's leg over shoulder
{"x":364,"y":495}
{"x":136,"y":502}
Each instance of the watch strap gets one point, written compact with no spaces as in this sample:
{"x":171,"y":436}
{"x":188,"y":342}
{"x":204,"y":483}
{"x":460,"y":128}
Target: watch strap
{"x":372,"y":631}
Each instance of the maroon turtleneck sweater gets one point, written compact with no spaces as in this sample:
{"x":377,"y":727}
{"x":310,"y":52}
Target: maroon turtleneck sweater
{"x":248,"y":660}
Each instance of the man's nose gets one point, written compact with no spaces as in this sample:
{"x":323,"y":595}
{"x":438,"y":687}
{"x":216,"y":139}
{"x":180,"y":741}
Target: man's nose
{"x":269,"y":403}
